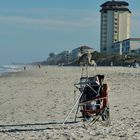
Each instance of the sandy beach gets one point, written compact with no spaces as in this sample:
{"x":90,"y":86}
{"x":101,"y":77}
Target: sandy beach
{"x":35,"y":102}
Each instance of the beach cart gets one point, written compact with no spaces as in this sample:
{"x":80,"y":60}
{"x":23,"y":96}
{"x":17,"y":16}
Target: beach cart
{"x":93,"y":100}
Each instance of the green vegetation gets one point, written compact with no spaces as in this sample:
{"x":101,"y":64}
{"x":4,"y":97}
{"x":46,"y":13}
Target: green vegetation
{"x":116,"y":60}
{"x":100,"y":59}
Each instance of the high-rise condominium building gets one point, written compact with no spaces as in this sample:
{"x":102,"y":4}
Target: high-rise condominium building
{"x":115,"y":24}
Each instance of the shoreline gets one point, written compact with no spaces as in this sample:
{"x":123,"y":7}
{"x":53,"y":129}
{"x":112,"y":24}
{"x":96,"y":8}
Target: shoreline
{"x":33,"y":67}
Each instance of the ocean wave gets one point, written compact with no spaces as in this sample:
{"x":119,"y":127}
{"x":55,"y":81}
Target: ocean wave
{"x":10,"y":68}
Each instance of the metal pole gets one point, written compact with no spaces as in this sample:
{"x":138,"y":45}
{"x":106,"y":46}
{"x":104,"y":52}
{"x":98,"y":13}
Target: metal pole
{"x":72,"y":108}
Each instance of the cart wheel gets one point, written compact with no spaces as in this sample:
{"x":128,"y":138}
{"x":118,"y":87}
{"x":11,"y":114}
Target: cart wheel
{"x":106,"y":116}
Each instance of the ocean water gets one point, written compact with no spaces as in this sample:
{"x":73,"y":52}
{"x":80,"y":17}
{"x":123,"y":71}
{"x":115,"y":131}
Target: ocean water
{"x":4,"y":69}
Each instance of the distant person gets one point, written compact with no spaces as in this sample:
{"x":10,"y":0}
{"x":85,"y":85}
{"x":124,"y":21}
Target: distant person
{"x":24,"y":67}
{"x":135,"y":64}
{"x":39,"y":65}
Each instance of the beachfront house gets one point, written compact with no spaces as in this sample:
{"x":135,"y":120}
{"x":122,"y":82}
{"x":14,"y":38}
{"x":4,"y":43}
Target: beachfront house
{"x":129,"y":46}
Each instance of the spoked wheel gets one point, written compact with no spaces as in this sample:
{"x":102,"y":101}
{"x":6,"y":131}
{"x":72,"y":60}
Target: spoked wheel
{"x":91,"y":121}
{"x":106,"y":117}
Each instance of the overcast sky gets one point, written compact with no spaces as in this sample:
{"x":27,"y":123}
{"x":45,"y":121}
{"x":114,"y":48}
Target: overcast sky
{"x":31,"y":29}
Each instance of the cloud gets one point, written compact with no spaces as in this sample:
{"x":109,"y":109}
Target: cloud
{"x":51,"y":18}
{"x":47,"y":23}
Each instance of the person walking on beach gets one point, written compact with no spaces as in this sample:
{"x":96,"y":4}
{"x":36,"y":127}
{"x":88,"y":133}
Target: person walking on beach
{"x":24,"y":67}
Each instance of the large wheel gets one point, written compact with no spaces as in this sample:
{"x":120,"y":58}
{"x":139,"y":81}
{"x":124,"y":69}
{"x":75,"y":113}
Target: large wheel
{"x":106,"y":116}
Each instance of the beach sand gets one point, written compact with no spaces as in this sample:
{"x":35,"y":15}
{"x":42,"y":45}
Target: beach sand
{"x":35,"y":102}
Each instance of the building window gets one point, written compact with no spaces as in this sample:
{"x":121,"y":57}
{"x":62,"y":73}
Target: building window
{"x":127,"y":43}
{"x":127,"y":49}
{"x":104,"y":49}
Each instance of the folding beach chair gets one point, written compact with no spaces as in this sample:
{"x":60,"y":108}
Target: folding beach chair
{"x":93,"y":101}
